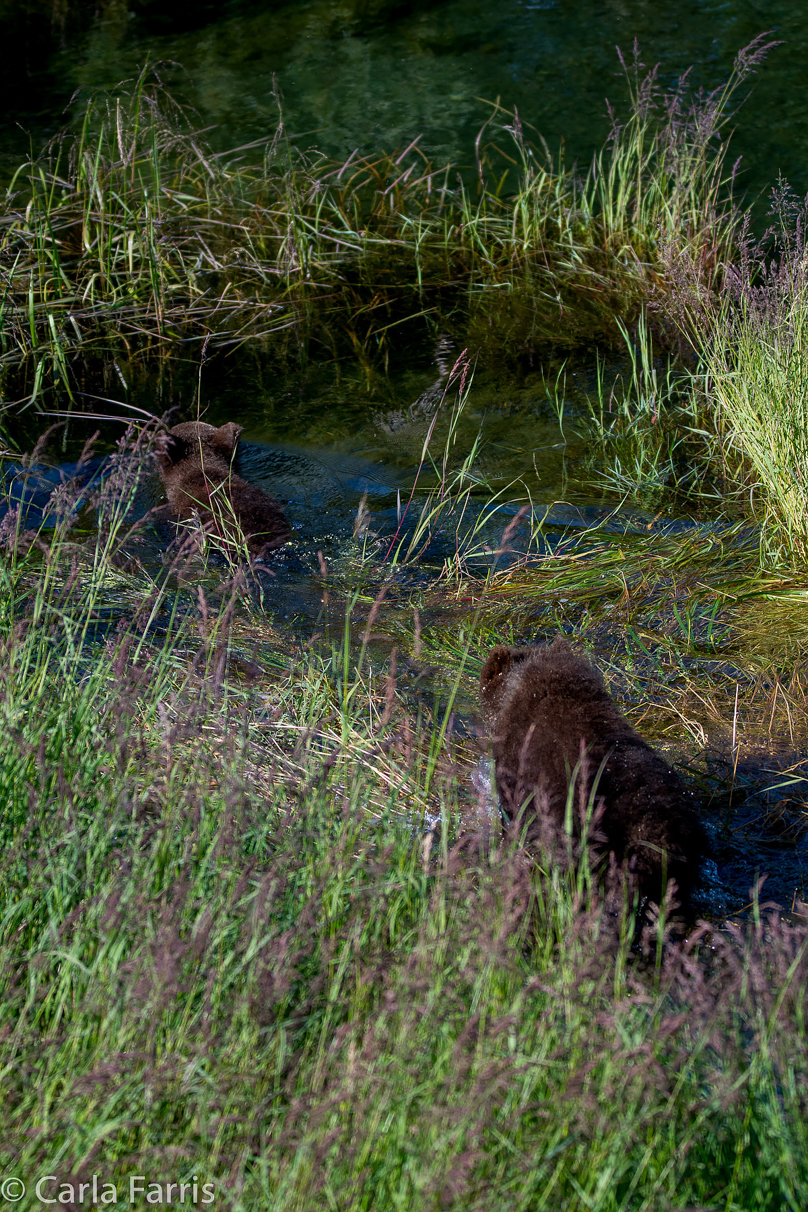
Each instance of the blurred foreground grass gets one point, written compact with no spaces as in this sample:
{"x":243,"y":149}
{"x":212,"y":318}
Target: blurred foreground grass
{"x":257,"y":925}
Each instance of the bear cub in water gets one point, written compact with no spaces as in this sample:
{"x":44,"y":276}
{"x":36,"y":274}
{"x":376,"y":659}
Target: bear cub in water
{"x":195,"y":466}
{"x":543,"y":706}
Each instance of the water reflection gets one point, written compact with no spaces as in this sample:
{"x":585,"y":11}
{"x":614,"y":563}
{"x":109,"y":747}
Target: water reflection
{"x":377,"y":75}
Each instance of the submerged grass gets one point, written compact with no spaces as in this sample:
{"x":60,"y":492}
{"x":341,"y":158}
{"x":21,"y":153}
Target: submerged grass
{"x":267,"y":936}
{"x":687,"y":611}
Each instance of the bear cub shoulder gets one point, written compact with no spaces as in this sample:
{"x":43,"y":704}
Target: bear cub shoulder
{"x":547,"y":706}
{"x":195,"y":462}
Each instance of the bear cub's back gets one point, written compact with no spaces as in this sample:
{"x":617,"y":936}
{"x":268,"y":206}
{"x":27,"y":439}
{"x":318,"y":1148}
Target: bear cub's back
{"x":195,"y":461}
{"x":547,"y":710}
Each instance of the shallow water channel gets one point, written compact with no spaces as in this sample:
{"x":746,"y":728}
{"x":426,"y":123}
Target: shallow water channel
{"x":656,"y":596}
{"x":323,"y":436}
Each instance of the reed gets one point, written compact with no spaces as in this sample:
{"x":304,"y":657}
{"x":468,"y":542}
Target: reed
{"x":128,"y":240}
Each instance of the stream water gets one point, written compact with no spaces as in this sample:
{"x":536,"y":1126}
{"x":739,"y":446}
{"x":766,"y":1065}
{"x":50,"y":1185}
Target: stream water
{"x":373,"y":75}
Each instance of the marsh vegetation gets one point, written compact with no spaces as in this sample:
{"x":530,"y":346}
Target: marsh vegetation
{"x":260,"y":922}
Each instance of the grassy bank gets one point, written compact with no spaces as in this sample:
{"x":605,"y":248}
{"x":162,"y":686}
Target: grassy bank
{"x":128,"y":239}
{"x":128,"y":250}
{"x":259,"y":927}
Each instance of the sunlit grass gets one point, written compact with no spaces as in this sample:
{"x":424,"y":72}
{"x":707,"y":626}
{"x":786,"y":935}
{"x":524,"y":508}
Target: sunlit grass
{"x":754,"y":380}
{"x":266,"y":934}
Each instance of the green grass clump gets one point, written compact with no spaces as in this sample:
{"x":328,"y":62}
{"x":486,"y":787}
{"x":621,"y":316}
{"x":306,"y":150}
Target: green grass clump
{"x":753,"y":377}
{"x":728,"y":431}
{"x":654,"y":433}
{"x":266,"y":935}
{"x":128,"y":239}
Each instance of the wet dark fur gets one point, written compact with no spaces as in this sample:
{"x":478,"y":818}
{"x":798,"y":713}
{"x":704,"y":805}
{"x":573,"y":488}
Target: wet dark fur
{"x":541,"y":706}
{"x":195,"y":459}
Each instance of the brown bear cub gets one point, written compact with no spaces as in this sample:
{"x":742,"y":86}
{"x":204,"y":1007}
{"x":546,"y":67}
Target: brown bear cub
{"x":547,"y":710}
{"x":195,"y":466}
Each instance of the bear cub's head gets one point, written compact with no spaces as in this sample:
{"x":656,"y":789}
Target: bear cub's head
{"x":196,"y":466}
{"x":195,"y":443}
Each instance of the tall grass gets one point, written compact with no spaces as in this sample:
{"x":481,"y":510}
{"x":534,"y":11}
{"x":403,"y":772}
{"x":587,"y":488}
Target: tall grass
{"x":257,"y":935}
{"x":128,"y":239}
{"x":753,"y":377}
{"x":654,"y":431}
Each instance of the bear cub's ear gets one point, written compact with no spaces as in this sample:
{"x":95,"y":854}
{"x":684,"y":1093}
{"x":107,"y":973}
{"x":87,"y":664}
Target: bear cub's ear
{"x":171,"y":449}
{"x":226,"y":437}
{"x":495,"y":668}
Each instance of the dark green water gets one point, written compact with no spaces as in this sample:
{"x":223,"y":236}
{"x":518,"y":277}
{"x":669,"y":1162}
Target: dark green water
{"x":375,"y":74}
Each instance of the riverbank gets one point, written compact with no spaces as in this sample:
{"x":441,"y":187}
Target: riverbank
{"x":259,"y":923}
